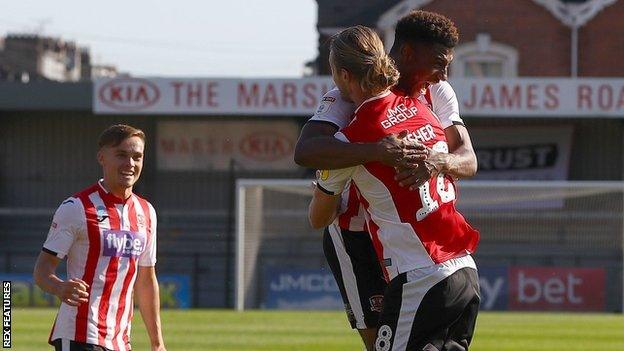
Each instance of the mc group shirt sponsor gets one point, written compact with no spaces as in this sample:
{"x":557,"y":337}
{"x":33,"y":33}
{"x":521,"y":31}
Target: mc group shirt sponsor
{"x":409,"y":229}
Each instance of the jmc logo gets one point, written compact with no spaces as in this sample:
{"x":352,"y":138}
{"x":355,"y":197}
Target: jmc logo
{"x":129,"y":94}
{"x":304,"y":282}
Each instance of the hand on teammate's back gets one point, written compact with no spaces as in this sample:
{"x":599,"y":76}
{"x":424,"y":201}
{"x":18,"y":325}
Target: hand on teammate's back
{"x":398,"y":152}
{"x":73,"y":292}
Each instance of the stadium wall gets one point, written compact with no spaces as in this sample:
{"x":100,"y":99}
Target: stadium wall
{"x":47,"y":152}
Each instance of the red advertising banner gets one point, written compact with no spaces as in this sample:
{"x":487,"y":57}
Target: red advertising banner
{"x":518,"y":97}
{"x":211,"y":145}
{"x":561,"y":289}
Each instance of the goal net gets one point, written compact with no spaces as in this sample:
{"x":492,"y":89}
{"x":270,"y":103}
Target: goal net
{"x":545,"y":245}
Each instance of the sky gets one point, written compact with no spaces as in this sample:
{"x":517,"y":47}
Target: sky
{"x":181,"y":38}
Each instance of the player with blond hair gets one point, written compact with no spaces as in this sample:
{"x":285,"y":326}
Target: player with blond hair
{"x":422,"y":50}
{"x":422,"y":242}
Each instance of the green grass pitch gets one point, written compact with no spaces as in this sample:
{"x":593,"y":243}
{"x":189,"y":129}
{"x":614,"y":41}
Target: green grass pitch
{"x":327,"y":331}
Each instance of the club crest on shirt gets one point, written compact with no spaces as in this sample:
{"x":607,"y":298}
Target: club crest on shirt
{"x":141,"y":220}
{"x":122,"y":243}
{"x":376,"y":303}
{"x":325,"y":105}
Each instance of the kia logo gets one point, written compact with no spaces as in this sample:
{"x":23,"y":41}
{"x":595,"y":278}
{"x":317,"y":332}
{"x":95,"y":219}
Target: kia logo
{"x":129,"y":94}
{"x":266,"y":146}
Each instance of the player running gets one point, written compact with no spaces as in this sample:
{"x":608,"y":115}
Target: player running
{"x":422,"y":49}
{"x":108,"y":235}
{"x":424,"y":244}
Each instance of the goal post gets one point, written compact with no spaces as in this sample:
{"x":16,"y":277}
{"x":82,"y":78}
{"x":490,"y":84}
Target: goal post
{"x":249,"y":225}
{"x":561,"y":224}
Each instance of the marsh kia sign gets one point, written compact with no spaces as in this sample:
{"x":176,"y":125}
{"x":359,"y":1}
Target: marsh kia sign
{"x":519,"y":97}
{"x":212,"y":145}
{"x":209,"y":96}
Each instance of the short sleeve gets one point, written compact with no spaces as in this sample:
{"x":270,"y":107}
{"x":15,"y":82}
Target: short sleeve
{"x":445,"y":104}
{"x":334,"y":109}
{"x":65,"y":228}
{"x":148,"y":257}
{"x":334,"y":181}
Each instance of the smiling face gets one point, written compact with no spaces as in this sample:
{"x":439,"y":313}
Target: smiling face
{"x":422,"y":64}
{"x":432,"y":62}
{"x":122,"y":165}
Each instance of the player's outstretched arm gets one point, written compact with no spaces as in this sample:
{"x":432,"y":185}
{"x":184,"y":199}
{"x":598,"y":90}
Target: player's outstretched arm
{"x":461,"y":162}
{"x":146,"y":289}
{"x":72,"y":292}
{"x":323,"y":209}
{"x":317,"y":148}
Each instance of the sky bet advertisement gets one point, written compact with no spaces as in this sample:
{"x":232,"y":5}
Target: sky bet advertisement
{"x":502,"y":288}
{"x":175,"y":291}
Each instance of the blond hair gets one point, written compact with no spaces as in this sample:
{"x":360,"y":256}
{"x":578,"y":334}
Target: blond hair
{"x":360,"y":51}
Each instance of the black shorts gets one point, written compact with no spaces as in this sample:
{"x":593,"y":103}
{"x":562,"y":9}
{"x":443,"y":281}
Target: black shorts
{"x":429,"y":314}
{"x":71,"y":345}
{"x":353,"y":262}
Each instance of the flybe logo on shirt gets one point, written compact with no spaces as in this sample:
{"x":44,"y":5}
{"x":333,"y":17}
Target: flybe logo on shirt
{"x":398,"y":114}
{"x":123,"y":243}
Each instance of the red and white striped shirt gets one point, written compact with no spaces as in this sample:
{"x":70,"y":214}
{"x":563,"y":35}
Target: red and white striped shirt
{"x":351,"y":212}
{"x":334,"y":109}
{"x":409,"y":229}
{"x":104,"y":238}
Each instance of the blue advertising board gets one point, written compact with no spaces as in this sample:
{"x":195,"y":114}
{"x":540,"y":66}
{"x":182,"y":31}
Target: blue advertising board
{"x":174,"y":291}
{"x":308,"y":289}
{"x":291,"y":288}
{"x":494,"y":285}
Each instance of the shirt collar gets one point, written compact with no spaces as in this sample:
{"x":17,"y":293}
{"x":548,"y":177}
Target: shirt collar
{"x":108,"y":196}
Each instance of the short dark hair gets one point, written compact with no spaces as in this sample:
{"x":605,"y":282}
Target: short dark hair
{"x":117,"y":133}
{"x":426,"y":27}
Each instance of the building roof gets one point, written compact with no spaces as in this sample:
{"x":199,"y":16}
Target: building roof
{"x":332,"y":14}
{"x":351,"y":12}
